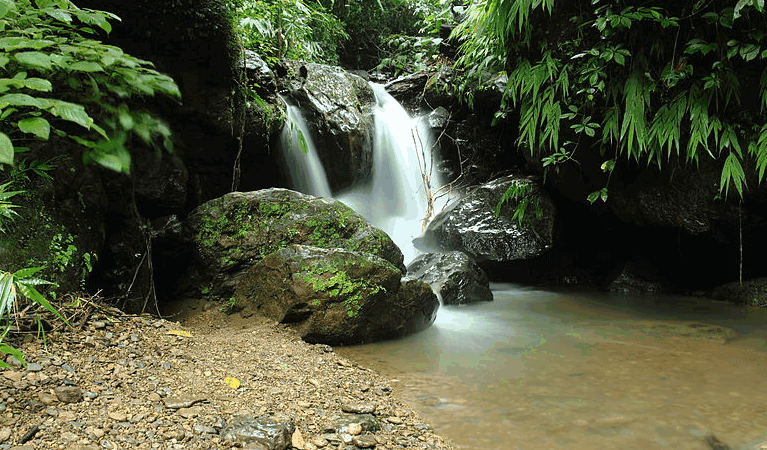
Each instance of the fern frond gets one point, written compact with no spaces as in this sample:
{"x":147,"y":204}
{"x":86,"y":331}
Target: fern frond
{"x":759,"y":150}
{"x":634,"y":134}
{"x":732,"y":171}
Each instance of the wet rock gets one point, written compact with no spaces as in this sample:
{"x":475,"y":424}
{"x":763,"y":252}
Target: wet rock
{"x":637,"y":276}
{"x":338,"y":106}
{"x":68,"y":394}
{"x":469,"y":224}
{"x":263,"y":431}
{"x":454,"y":276}
{"x":335,"y":296}
{"x":367,"y":421}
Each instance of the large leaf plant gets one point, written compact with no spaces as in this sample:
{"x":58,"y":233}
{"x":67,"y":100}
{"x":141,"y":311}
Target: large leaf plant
{"x":56,"y":77}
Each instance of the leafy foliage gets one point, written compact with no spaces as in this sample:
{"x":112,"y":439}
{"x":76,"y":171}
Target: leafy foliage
{"x":56,"y":78}
{"x":633,"y":81}
{"x":294,"y":29}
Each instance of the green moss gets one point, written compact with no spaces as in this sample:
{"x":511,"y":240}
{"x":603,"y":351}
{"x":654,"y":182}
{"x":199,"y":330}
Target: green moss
{"x":332,"y":278}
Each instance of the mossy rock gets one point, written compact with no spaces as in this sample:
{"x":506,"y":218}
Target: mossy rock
{"x":335,"y":296}
{"x":226,"y":236}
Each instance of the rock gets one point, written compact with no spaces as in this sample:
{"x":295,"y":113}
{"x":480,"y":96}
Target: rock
{"x":367,"y":421}
{"x":184,"y":401}
{"x":297,"y":440}
{"x":34,"y":367}
{"x":637,"y":276}
{"x":118,"y":416}
{"x":5,"y":433}
{"x":354,"y":429}
{"x":226,"y":236}
{"x":13,"y":362}
{"x":338,"y":106}
{"x":259,"y":73}
{"x":750,"y":292}
{"x":68,"y":394}
{"x":364,"y":441}
{"x":47,"y":398}
{"x":335,"y":296}
{"x":263,"y":431}
{"x":454,"y":276}
{"x":13,"y":375}
{"x":469,"y":224}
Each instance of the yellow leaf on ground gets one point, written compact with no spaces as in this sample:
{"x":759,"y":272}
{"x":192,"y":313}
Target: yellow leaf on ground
{"x":232,"y":382}
{"x":180,"y":333}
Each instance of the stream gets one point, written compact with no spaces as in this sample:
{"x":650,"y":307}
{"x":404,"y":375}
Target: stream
{"x":576,"y":369}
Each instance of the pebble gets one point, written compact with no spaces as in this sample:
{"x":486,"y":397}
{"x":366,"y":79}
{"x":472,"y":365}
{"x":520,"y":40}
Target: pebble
{"x":13,"y":375}
{"x":365,"y":441}
{"x":68,"y":394}
{"x":34,"y":367}
{"x":5,"y":433}
{"x":182,"y":401}
{"x":354,"y":429}
{"x":358,"y":408}
{"x":118,"y":416}
{"x":13,"y":361}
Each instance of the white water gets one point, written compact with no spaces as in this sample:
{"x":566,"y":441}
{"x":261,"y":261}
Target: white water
{"x":300,"y":155}
{"x":396,"y":199}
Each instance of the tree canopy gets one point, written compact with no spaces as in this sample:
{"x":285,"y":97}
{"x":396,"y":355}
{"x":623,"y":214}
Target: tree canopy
{"x":633,"y":81}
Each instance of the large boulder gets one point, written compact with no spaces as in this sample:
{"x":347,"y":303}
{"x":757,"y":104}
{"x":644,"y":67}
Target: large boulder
{"x":454,"y":276}
{"x":223,"y":238}
{"x":469,"y":224}
{"x":335,"y":296}
{"x":339,"y":108}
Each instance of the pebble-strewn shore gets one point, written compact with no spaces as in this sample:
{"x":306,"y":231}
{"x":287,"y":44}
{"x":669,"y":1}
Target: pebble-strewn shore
{"x":125,"y":382}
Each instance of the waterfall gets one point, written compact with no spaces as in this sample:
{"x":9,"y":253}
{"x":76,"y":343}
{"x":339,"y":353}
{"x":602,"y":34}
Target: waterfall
{"x":395,"y":199}
{"x":300,"y":156}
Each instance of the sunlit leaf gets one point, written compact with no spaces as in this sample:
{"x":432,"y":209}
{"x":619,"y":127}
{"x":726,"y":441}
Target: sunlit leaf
{"x":179,"y":333}
{"x":37,"y":126}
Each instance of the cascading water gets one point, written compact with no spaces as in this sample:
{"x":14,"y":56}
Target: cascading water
{"x":300,"y":156}
{"x":400,"y":193}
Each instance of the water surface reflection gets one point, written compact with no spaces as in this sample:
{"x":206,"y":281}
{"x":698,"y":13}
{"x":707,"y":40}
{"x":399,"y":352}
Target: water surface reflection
{"x":584,"y":370}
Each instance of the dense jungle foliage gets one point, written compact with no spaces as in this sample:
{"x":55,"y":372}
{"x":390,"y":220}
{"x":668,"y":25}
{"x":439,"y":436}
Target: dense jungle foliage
{"x":634,"y":81}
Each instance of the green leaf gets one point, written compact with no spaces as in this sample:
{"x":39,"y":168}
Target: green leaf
{"x":4,"y":60}
{"x":38,"y":84}
{"x":95,"y":18}
{"x":18,"y":43}
{"x":59,"y":14}
{"x":28,"y":291}
{"x":732,"y":171}
{"x":37,"y":126}
{"x":70,"y":111}
{"x":6,"y":149}
{"x":86,"y":66}
{"x":34,"y":59}
{"x":27,"y":272}
{"x":19,"y":100}
{"x":9,"y":350}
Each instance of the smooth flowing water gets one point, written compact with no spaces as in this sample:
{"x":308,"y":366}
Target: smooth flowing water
{"x":404,"y":179}
{"x":542,"y":370}
{"x":300,"y":156}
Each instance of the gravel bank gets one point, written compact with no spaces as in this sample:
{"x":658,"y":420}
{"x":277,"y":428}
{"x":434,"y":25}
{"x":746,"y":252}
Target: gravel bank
{"x":127,"y":382}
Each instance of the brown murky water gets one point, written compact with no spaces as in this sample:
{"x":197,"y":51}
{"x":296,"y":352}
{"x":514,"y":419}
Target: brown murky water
{"x":540,"y":370}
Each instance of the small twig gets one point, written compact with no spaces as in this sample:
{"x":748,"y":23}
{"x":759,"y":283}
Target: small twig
{"x":29,"y":434}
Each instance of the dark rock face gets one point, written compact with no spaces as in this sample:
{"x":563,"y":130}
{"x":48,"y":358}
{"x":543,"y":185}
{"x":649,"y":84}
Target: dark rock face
{"x":469,"y":224}
{"x":454,"y":276}
{"x":59,"y":221}
{"x":335,"y":296}
{"x":224,"y":237}
{"x":637,"y":276}
{"x":339,"y":107}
